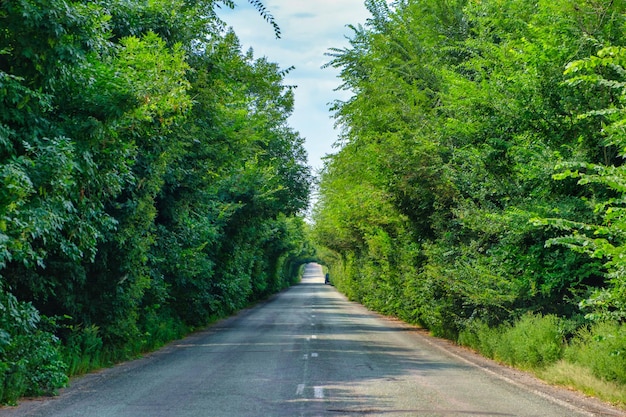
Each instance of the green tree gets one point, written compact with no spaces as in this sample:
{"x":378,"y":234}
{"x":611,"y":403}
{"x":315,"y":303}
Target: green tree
{"x":459,"y":115}
{"x":149,"y":179}
{"x":603,"y":240}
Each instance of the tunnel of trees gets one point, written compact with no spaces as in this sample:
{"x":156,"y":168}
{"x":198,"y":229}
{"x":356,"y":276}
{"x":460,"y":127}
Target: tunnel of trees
{"x":150,"y":182}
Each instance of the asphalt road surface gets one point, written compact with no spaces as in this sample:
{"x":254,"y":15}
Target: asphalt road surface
{"x":310,"y":352}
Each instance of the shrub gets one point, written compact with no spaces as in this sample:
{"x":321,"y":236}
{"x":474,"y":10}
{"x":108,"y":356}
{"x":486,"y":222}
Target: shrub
{"x":30,"y":361}
{"x":534,"y":341}
{"x":480,"y":337}
{"x":601,"y":348}
{"x":39,"y":359}
{"x":160,"y":329}
{"x":83,"y":349}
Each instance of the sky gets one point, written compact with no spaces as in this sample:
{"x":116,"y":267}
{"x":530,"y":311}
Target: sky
{"x":308,"y":30}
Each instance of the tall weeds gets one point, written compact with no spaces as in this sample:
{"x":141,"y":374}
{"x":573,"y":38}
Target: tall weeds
{"x":591,"y":359}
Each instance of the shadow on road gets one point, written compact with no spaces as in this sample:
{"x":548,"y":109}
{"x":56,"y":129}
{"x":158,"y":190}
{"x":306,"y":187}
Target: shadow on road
{"x":306,"y":352}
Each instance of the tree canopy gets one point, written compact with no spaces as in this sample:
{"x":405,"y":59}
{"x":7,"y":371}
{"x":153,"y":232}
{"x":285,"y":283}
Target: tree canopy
{"x":478,"y":189}
{"x":149,"y":180}
{"x":482,"y":143}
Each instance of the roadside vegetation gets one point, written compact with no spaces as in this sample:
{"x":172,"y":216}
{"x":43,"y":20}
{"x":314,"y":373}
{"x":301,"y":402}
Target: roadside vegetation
{"x":479,"y":186}
{"x":149,"y":182}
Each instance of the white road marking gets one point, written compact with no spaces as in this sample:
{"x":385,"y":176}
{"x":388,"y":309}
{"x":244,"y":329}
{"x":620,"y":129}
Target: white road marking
{"x":318,"y":392}
{"x":306,"y":356}
{"x":300,"y":389}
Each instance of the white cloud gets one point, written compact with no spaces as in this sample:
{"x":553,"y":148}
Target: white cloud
{"x":308,"y":30}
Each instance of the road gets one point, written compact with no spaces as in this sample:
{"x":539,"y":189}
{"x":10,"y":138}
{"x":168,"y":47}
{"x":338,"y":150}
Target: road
{"x":310,"y":352}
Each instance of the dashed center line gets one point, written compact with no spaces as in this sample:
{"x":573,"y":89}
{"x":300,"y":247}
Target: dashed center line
{"x":318,"y":392}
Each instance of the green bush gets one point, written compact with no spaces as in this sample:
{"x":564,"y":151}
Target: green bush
{"x":14,"y":383}
{"x":601,"y":348}
{"x":43,"y":367}
{"x":160,"y":329}
{"x":534,"y":341}
{"x":480,"y":337}
{"x":82,"y":350}
{"x":30,"y":360}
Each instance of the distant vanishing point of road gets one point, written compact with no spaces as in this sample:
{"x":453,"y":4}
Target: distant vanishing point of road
{"x":310,"y":352}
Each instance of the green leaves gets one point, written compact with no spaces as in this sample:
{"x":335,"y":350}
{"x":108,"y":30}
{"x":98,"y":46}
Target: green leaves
{"x":460,"y":113}
{"x":266,"y":15}
{"x":149,"y":180}
{"x":602,"y":240}
{"x":156,"y":76}
{"x":26,"y":353}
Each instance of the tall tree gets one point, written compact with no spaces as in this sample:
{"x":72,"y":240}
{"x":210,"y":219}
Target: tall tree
{"x":149,"y":179}
{"x":460,"y":112}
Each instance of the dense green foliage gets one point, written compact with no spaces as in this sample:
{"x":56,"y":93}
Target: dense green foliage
{"x":149,"y":181}
{"x":480,"y":181}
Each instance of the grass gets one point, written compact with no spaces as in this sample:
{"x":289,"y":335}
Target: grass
{"x":579,"y":378}
{"x":532,"y":342}
{"x":593,"y":361}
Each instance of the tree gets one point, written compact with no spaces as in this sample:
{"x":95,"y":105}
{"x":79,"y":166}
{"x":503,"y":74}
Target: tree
{"x":459,"y":115}
{"x":603,"y":240}
{"x":140,"y":149}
